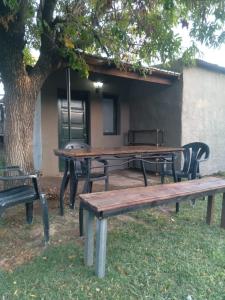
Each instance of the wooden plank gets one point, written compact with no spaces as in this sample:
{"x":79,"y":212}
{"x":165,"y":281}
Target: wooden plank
{"x":210,"y":209}
{"x":124,"y":150}
{"x":131,"y":75}
{"x":152,"y":195}
{"x":222,"y":224}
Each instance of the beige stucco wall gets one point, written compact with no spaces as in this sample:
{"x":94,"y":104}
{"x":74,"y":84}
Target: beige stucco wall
{"x":203,"y":114}
{"x":49,"y":114}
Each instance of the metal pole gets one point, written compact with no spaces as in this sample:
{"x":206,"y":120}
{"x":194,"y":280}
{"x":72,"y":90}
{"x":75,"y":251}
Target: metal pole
{"x":68,"y":92}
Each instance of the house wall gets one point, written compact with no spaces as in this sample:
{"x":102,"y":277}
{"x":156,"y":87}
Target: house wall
{"x":203,"y":114}
{"x":157,"y":106}
{"x":153,"y":106}
{"x":49,"y":109}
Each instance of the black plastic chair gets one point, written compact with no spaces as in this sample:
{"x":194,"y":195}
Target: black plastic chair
{"x":23,"y":193}
{"x":81,"y":169}
{"x":193,"y":154}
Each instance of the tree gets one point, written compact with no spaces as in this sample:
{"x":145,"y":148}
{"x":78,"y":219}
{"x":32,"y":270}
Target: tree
{"x":64,"y":30}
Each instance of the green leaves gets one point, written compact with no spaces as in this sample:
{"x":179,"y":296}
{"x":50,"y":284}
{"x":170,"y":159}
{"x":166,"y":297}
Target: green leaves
{"x":132,"y":31}
{"x":29,"y":60}
{"x":12,"y":4}
{"x":189,"y":55}
{"x":169,"y":4}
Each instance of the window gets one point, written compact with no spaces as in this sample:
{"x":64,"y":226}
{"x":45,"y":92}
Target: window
{"x":110,"y":115}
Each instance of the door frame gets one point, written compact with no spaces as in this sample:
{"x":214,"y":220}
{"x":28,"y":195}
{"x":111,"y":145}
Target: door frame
{"x":85,"y":96}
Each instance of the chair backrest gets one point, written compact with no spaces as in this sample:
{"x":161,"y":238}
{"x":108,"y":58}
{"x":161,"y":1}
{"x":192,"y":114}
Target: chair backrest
{"x":193,"y":153}
{"x":80,"y":165}
{"x":76,"y":145}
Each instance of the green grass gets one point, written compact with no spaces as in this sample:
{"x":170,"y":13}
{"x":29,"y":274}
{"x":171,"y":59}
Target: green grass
{"x":152,"y":255}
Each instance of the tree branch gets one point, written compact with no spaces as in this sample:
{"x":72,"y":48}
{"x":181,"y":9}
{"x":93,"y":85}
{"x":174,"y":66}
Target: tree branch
{"x":44,"y":65}
{"x":48,"y":7}
{"x":98,"y":39}
{"x":12,"y":38}
{"x":22,"y":12}
{"x":95,"y":22}
{"x":46,"y":10}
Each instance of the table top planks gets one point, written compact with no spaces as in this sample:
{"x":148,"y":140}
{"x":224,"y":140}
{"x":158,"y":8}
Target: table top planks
{"x":123,"y":150}
{"x":103,"y":202}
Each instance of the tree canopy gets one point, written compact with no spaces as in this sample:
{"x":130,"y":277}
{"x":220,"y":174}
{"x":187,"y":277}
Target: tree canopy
{"x":125,"y":30}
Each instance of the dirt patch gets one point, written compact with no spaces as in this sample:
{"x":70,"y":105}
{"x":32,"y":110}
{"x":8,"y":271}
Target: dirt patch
{"x":20,"y":243}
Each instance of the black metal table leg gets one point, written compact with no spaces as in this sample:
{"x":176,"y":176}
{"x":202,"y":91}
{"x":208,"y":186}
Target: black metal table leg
{"x":44,"y":206}
{"x":87,"y":183}
{"x":63,"y":187}
{"x":178,"y":204}
{"x":144,"y":172}
{"x":175,"y":179}
{"x":87,"y":189}
{"x":81,"y":220}
{"x":29,"y":212}
{"x":173,"y":168}
{"x":162,"y":175}
{"x":73,"y":183}
{"x":74,"y":192}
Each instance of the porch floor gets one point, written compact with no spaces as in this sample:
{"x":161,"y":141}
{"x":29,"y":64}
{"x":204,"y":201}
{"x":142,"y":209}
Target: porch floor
{"x":117,"y":179}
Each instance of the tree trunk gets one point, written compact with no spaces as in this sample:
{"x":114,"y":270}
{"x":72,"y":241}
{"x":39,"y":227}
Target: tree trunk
{"x":22,"y":83}
{"x":20,"y":98}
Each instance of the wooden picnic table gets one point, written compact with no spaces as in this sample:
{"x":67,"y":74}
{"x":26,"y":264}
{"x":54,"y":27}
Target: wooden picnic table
{"x":140,"y":152}
{"x":114,"y":151}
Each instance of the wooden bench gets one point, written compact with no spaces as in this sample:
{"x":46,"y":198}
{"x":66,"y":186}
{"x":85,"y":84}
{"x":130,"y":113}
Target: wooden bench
{"x":112,"y":203}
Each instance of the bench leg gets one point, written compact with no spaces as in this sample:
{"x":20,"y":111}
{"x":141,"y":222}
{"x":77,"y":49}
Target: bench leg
{"x":82,"y":224}
{"x":210,"y":209}
{"x":101,"y":238}
{"x":222,"y":224}
{"x":89,"y":239}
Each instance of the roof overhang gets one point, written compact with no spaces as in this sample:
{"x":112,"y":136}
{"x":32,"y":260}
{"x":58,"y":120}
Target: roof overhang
{"x":210,"y":66}
{"x":153,"y":75}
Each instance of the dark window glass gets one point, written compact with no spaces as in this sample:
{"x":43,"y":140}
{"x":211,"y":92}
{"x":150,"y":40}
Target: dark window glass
{"x":110,"y":110}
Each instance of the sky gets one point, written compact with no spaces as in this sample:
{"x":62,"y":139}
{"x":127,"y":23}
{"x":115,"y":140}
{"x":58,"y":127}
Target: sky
{"x":215,"y":56}
{"x":211,"y":55}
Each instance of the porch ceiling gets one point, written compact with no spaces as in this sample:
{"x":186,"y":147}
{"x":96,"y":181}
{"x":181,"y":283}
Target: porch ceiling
{"x":153,"y":75}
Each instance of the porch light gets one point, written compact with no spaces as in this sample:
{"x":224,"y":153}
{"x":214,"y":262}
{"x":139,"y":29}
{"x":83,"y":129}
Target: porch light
{"x":98,"y":85}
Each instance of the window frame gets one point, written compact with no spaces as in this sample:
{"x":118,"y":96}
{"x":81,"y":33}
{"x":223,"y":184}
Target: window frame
{"x":116,"y":119}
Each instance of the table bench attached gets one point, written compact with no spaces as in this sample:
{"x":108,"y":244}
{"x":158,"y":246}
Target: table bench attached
{"x":111,"y":203}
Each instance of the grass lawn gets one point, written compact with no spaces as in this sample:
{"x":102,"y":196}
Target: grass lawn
{"x":152,"y":254}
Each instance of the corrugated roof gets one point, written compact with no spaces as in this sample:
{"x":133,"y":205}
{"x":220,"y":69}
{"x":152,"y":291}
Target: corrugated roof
{"x":102,"y":61}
